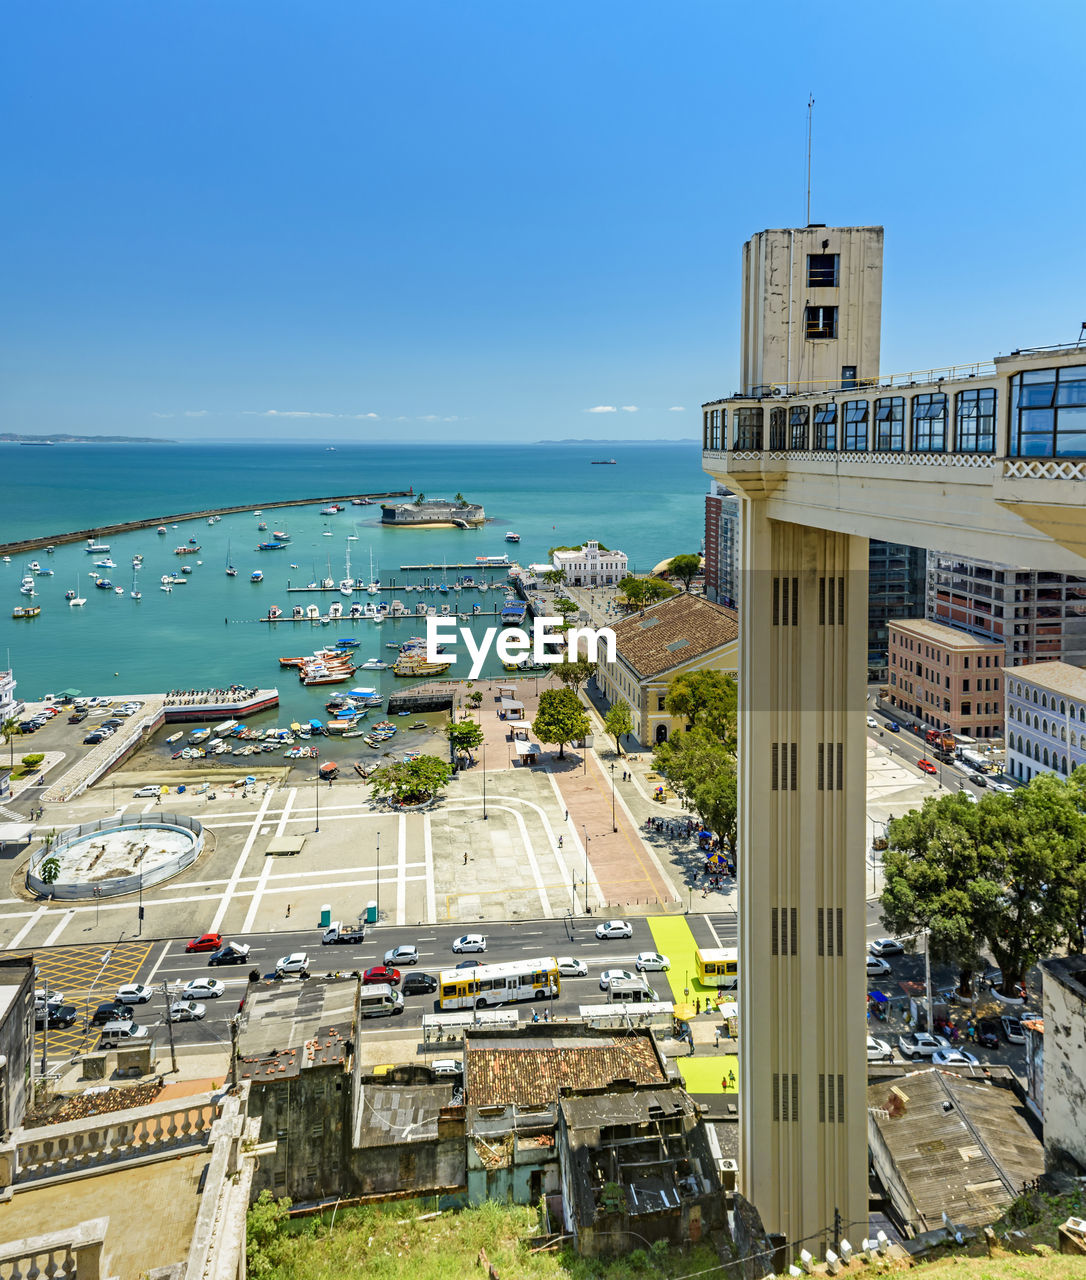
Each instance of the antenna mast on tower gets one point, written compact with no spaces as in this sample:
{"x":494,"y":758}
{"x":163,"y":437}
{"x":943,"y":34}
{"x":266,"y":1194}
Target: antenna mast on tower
{"x":810,"y":113}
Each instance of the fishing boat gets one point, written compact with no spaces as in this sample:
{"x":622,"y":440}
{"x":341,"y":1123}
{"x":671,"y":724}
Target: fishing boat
{"x":280,"y":535}
{"x":231,"y":572}
{"x":27,"y":611}
{"x":261,"y":526}
{"x":374,"y":664}
{"x":513,"y":613}
{"x":96,"y":548}
{"x":186,"y":550}
{"x":330,"y":510}
{"x":271,"y":546}
{"x":512,"y":537}
{"x":256,"y":576}
{"x":103,"y":584}
{"x":161,"y":529}
{"x":199,"y":735}
{"x":186,"y":568}
{"x":178,"y":580}
{"x":413,"y":664}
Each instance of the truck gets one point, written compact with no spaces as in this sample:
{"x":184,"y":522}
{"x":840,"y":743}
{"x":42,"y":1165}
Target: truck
{"x":940,"y":740}
{"x":379,"y":1001}
{"x":338,"y":932}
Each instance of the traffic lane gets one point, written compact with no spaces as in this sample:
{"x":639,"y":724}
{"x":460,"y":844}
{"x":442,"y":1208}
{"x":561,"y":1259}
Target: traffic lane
{"x":908,"y":747}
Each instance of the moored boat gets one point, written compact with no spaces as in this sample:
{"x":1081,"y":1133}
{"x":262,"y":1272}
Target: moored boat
{"x":27,"y":611}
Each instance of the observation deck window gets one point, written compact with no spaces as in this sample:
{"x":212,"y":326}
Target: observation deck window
{"x":1048,"y":413}
{"x":825,"y":432}
{"x":976,"y":420}
{"x":929,"y":422}
{"x":890,"y":424}
{"x":856,"y":415}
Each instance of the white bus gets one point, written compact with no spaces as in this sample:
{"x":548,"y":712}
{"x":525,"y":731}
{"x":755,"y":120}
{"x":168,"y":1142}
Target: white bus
{"x":490,"y":984}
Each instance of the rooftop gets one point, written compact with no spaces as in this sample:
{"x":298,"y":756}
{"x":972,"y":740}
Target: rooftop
{"x":390,"y":1113}
{"x":960,"y":1145}
{"x":640,"y":1106}
{"x":670,"y":633}
{"x":946,"y":637}
{"x":288,"y":1027}
{"x":1057,"y":677}
{"x":530,"y":1071}
{"x":1069,"y":972}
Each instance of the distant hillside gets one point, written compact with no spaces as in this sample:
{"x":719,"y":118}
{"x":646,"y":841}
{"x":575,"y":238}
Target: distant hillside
{"x":62,"y":437}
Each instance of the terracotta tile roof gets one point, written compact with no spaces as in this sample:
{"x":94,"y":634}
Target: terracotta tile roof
{"x":532,"y":1077}
{"x":672,"y":632}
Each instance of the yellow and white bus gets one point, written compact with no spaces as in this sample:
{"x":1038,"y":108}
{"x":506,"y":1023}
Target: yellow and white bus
{"x":491,"y":984}
{"x":718,"y":966}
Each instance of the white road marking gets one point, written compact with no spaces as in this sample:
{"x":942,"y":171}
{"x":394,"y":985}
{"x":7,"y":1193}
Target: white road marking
{"x":26,"y":927}
{"x":428,"y":860}
{"x":161,"y":956}
{"x":265,"y":872}
{"x":230,"y":889}
{"x":401,"y":871}
{"x":61,"y":924}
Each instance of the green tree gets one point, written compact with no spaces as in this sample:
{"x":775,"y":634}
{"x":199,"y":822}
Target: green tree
{"x":411,"y":781}
{"x":618,"y":722}
{"x":686,"y":568}
{"x":575,"y":673}
{"x":632,"y":591}
{"x":657,"y":589}
{"x":33,"y":760}
{"x":565,"y":605}
{"x":461,"y":501}
{"x":708,"y":699}
{"x":476,"y":697}
{"x":560,"y":719}
{"x":264,"y":1228}
{"x":554,"y":577}
{"x":49,"y":871}
{"x":10,"y":729}
{"x":465,"y":735}
{"x":420,"y":500}
{"x":702,"y":769}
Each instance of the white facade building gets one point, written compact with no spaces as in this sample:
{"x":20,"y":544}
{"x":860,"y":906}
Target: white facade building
{"x":591,"y":565}
{"x":1045,"y":719}
{"x":9,"y":704}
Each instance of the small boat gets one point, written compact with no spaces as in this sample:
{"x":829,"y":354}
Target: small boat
{"x":256,"y":576}
{"x":186,"y":551}
{"x":102,"y":564}
{"x":165,"y":587}
{"x":271,"y":546}
{"x":30,"y":611}
{"x":161,"y":529}
{"x":118,"y":591}
{"x":103,"y":584}
{"x":175,"y":737}
{"x":192,"y":541}
{"x":98,"y":548}
{"x":512,"y":537}
{"x":186,"y":568}
{"x":261,"y":526}
{"x":199,"y":735}
{"x":280,"y":535}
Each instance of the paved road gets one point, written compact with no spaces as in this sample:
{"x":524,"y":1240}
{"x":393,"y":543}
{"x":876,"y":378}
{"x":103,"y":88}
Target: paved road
{"x":908,"y":747}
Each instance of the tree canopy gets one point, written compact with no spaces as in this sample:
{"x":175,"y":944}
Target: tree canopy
{"x":685,"y":567}
{"x":702,"y":769}
{"x":708,"y":699}
{"x":574,"y":674}
{"x":465,"y":735}
{"x":618,"y":722}
{"x":637,"y":592}
{"x":411,"y":781}
{"x":560,"y":719}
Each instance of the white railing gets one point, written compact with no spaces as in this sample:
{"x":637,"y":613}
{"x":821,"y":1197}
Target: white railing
{"x":1044,"y":469}
{"x":74,"y":1253}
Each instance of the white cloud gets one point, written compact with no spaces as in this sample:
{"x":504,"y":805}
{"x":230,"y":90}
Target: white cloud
{"x":162,"y":415}
{"x":602,"y":408}
{"x":363,"y":415}
{"x":629,"y":408}
{"x":677,"y":408}
{"x":289,"y":413}
{"x":195,"y":413}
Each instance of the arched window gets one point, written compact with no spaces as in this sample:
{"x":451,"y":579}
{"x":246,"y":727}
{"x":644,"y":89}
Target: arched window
{"x":1063,"y":707}
{"x":1044,"y":700}
{"x":1063,"y":764}
{"x":1074,"y":738}
{"x":1035,"y":697}
{"x":1044,"y":757}
{"x":1063,"y":733}
{"x":1044,"y":726}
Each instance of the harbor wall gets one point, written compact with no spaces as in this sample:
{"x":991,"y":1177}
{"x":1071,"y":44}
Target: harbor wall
{"x":432,"y":513}
{"x":127,"y":526}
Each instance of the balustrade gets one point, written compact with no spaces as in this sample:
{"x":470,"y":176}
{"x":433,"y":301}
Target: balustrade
{"x":72,"y":1254}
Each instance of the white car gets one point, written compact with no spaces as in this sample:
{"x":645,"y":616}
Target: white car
{"x":886,"y":947}
{"x":999,"y":786}
{"x":614,"y":975}
{"x":469,"y":942}
{"x":872,"y":723}
{"x":296,"y":962}
{"x":402,"y":955}
{"x":953,"y":1058}
{"x":203,"y":989}
{"x":614,"y":929}
{"x":134,"y":993}
{"x":55,"y":997}
{"x":877,"y":967}
{"x":652,"y":960}
{"x":570,"y":968}
{"x":145,"y":791}
{"x":187,"y":1011}
{"x":878,"y":1050}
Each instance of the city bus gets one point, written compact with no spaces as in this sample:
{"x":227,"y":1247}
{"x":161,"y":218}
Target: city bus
{"x":718,"y":966}
{"x":490,"y":984}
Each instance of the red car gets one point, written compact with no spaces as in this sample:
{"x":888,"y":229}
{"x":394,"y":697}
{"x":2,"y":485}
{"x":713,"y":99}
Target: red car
{"x":927,"y":766}
{"x":205,"y":942}
{"x":381,"y":973}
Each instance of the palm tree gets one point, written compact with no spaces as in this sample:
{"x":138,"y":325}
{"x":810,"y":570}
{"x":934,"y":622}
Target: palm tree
{"x":10,"y":728}
{"x":420,"y":500}
{"x":461,"y":500}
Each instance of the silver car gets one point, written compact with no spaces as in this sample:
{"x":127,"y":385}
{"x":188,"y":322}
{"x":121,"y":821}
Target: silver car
{"x":187,"y":1011}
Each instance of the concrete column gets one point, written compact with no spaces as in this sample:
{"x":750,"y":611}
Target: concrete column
{"x":802,"y":777}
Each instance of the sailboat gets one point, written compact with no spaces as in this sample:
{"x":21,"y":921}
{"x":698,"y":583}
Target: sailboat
{"x":136,"y":595}
{"x":231,"y":572}
{"x":374,"y":585}
{"x":346,"y":585}
{"x":75,"y":600}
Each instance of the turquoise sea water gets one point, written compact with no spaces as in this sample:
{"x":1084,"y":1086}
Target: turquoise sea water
{"x":650,"y":506}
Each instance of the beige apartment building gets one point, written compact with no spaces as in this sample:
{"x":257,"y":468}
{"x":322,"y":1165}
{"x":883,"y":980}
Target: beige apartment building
{"x":946,"y":679}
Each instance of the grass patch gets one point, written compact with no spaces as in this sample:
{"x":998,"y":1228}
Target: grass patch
{"x":392,"y":1242}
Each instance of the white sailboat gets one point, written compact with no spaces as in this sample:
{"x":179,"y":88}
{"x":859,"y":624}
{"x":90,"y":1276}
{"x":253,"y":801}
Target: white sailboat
{"x":231,"y":572}
{"x":374,"y":585}
{"x":75,"y":600}
{"x":346,"y":585}
{"x":136,"y":595}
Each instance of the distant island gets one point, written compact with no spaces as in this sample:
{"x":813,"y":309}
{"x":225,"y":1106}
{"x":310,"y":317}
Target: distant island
{"x":62,"y":437}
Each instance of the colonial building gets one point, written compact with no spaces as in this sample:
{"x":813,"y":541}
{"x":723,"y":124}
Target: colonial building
{"x":653,"y":646}
{"x":946,"y":679}
{"x":591,"y":565}
{"x":1046,"y":719}
{"x":9,"y":704}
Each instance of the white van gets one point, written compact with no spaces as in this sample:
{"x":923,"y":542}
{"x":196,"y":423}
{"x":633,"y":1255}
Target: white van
{"x":379,"y":1001}
{"x":447,"y":1067}
{"x":119,"y":1033}
{"x":630,"y":991}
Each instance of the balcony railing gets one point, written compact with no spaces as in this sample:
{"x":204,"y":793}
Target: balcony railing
{"x":74,"y":1253}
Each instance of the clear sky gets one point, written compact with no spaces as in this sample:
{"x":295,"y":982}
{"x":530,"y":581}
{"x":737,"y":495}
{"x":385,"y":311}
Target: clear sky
{"x":505,"y":219}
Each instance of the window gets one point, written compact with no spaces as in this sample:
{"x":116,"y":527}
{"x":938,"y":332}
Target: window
{"x":967,"y":709}
{"x":855,"y":412}
{"x":820,"y":322}
{"x":822,"y":270}
{"x":777,"y":433}
{"x":929,"y":423}
{"x":799,"y":418}
{"x":748,"y":429}
{"x":890,"y":424}
{"x":715,"y":419}
{"x":976,"y":421}
{"x":1048,"y":413}
{"x":825,"y":432}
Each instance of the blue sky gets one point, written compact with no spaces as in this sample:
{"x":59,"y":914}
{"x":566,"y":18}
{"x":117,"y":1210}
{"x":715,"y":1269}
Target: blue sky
{"x":485,"y":220}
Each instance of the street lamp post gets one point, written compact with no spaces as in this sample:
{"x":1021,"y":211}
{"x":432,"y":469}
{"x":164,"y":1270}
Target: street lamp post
{"x":378,"y":876}
{"x":484,"y":779}
{"x":614,"y":824}
{"x":587,"y":908}
{"x":317,"y":793}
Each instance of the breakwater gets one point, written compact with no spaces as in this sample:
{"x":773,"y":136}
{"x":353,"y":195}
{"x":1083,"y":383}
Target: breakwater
{"x":127,"y":526}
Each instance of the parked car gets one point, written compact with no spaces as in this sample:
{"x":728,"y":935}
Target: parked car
{"x":988,"y":1030}
{"x":56,"y":1015}
{"x":878,"y":1050}
{"x":187,"y":1011}
{"x":652,"y":961}
{"x":613,"y":975}
{"x":110,"y":1011}
{"x":921,"y":1044}
{"x":877,"y":967}
{"x":993,"y":785}
{"x":402,"y":955}
{"x":570,"y":968}
{"x":872,"y":723}
{"x":145,"y":793}
{"x":93,"y":738}
{"x":953,"y":1058}
{"x":469,"y":942}
{"x":77,"y":717}
{"x":134,"y":993}
{"x":886,"y":947}
{"x":203,"y":989}
{"x":893,"y":726}
{"x":447,"y":1067}
{"x":926,"y":766}
{"x":614,"y":929}
{"x":381,"y":973}
{"x":205,"y":942}
{"x":1013,"y":1032}
{"x":419,"y":984}
{"x":230,"y":953}
{"x":297,"y":962}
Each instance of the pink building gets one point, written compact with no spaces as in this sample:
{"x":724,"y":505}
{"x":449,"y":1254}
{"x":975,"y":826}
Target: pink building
{"x":946,"y":678}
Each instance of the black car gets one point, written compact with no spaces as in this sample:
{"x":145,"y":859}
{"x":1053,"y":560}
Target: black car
{"x":468,"y":964}
{"x":419,"y":984}
{"x":60,"y":1015}
{"x":77,"y":718}
{"x":111,"y":1011}
{"x":95,"y":737}
{"x":988,"y":1033}
{"x":229,"y":955}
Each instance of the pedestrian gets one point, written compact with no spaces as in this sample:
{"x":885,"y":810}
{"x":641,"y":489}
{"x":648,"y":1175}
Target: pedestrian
{"x":731,"y":1079}
{"x":690,"y":1037}
{"x":697,"y":1005}
{"x":567,"y":815}
{"x":559,"y":842}
{"x":288,"y":910}
{"x":465,"y":857}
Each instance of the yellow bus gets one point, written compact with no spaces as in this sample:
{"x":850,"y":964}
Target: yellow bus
{"x":491,"y":984}
{"x":718,"y":966}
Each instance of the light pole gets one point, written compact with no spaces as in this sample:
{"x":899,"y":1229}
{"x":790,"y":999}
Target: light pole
{"x":614,"y":824}
{"x":484,"y":779}
{"x":587,"y":908}
{"x":317,"y":793}
{"x":378,"y":876}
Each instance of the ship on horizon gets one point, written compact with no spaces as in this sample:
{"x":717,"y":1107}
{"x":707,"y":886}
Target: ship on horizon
{"x":604,"y":462}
